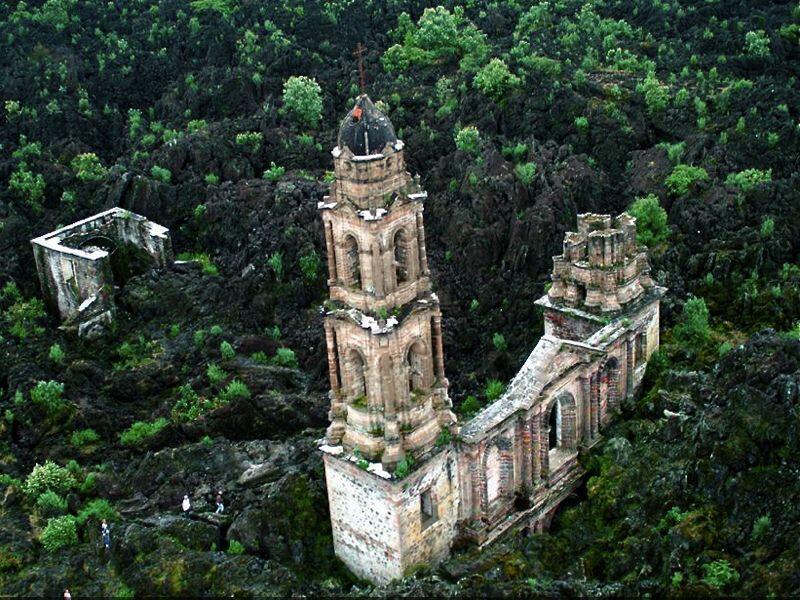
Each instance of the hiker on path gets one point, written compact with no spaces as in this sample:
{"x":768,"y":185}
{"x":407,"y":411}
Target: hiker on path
{"x":186,"y":505}
{"x":220,"y":505}
{"x":106,"y":532}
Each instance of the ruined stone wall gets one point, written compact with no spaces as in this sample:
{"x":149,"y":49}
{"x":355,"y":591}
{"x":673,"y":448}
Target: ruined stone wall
{"x":378,"y":526}
{"x":367,"y":181}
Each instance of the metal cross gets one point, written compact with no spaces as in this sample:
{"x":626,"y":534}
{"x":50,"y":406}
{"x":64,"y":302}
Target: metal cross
{"x":359,"y":53}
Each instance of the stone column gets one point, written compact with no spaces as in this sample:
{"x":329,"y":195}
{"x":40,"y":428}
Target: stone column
{"x":477,"y":491}
{"x":544,"y":445}
{"x":527,"y":454}
{"x":330,"y":343}
{"x":586,"y":406}
{"x":330,"y":245}
{"x":423,"y":255}
{"x":630,"y":366}
{"x":436,"y":341}
{"x":536,"y":444}
{"x":594,"y":393}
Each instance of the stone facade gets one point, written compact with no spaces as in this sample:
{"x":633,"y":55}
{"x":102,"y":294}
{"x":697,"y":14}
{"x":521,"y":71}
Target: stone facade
{"x":516,"y":460}
{"x":76,"y":264}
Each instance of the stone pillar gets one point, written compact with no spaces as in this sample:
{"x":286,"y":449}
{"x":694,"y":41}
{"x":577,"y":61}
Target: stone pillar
{"x":527,"y":454}
{"x":438,"y":346}
{"x":330,"y":342}
{"x":536,"y":443}
{"x":630,"y":366}
{"x":586,"y":406}
{"x":544,"y":445}
{"x":330,"y":245}
{"x":423,"y":255}
{"x":476,"y":510}
{"x":594,"y":393}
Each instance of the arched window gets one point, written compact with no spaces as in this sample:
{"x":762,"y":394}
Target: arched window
{"x":415,"y":365}
{"x":554,"y":422}
{"x":352,"y":262}
{"x":357,"y":375}
{"x":401,"y":256}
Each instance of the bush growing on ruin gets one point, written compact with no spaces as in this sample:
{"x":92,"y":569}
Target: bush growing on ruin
{"x":470,"y":406}
{"x":496,"y":81}
{"x":468,"y":139}
{"x":141,"y":431}
{"x":59,"y":532}
{"x":88,"y":167}
{"x":651,"y":220}
{"x":683,"y":177}
{"x":48,"y":476}
{"x":302,"y":99}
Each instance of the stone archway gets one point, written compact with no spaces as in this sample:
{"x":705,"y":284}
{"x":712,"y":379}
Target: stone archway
{"x":401,"y":257}
{"x":562,"y":416}
{"x":357,"y":376}
{"x":415,"y":366}
{"x":352,"y":262}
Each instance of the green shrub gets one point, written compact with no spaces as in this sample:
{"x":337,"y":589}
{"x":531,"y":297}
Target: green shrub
{"x":756,"y":43}
{"x":302,"y":99}
{"x":582,"y":125}
{"x":226,"y":350}
{"x":444,"y":437}
{"x":683,"y":177}
{"x":161,"y":174}
{"x":275,"y":261}
{"x":719,"y":574}
{"x":235,"y":389}
{"x":83,"y":438}
{"x":285,"y":357}
{"x":215,"y":373}
{"x":56,"y":354}
{"x":274,"y":173}
{"x":403,"y":467}
{"x":203,"y":259}
{"x":468,"y":139}
{"x":694,"y":329}
{"x":235,"y":547}
{"x":196,"y":126}
{"x":216,"y":330}
{"x":761,"y":527}
{"x":48,"y":476}
{"x":211,"y":179}
{"x":674,"y":151}
{"x":496,"y":81}
{"x":259,"y":357}
{"x":748,"y":179}
{"x":88,"y":167}
{"x":59,"y":532}
{"x":50,"y":504}
{"x":470,"y":406}
{"x":309,"y":265}
{"x":141,"y":431}
{"x":767,"y":228}
{"x":651,"y":220}
{"x":656,"y":95}
{"x":47,"y":394}
{"x":21,"y":316}
{"x":97,"y":510}
{"x":136,"y":353}
{"x":499,"y":342}
{"x":250,"y":140}
{"x":493,"y":390}
{"x":526,"y":172}
{"x":474,"y":305}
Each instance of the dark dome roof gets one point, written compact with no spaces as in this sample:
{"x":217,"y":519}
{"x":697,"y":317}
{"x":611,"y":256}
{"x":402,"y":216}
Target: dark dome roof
{"x":365,"y":129}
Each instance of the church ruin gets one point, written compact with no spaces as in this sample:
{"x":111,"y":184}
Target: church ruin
{"x":404,"y":478}
{"x":79,"y":264}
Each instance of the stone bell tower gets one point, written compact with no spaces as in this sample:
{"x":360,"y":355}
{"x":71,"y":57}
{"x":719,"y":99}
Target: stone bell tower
{"x":389,"y":402}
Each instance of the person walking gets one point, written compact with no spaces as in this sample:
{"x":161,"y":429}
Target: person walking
{"x":220,"y":505}
{"x":67,"y":595}
{"x":186,"y":505}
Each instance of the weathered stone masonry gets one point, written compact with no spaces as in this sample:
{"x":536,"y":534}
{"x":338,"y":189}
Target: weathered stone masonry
{"x":75,"y":267}
{"x":516,"y":460}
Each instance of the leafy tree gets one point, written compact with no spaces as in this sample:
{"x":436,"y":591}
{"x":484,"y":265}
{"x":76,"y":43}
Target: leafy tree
{"x":748,"y":179}
{"x":683,"y":177}
{"x":719,"y":574}
{"x":97,"y":510}
{"x":309,"y":265}
{"x":250,"y":141}
{"x":493,"y":390}
{"x":234,"y":389}
{"x":56,"y":354}
{"x":694,"y":329}
{"x":161,"y":174}
{"x":22,"y":315}
{"x":656,"y":95}
{"x":468,"y":139}
{"x":48,"y":476}
{"x":141,"y":431}
{"x":285,"y":357}
{"x":88,"y":167}
{"x":83,"y":438}
{"x":47,"y":394}
{"x":756,"y":43}
{"x":226,"y":350}
{"x":59,"y":532}
{"x":651,"y":220}
{"x":496,"y":81}
{"x":302,"y":99}
{"x":50,"y":504}
{"x":274,"y":173}
{"x":223,"y":7}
